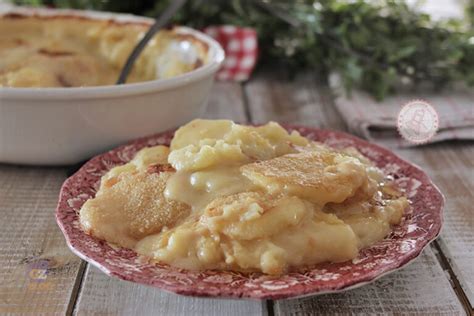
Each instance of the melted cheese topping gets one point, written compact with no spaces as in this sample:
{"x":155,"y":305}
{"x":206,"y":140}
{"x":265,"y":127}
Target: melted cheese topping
{"x":73,"y":52}
{"x":233,"y":197}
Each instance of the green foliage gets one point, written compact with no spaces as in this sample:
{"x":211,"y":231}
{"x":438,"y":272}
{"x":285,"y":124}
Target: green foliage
{"x":373,"y":46}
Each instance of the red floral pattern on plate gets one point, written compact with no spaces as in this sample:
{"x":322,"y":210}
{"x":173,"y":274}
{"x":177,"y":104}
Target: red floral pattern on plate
{"x":420,"y":225}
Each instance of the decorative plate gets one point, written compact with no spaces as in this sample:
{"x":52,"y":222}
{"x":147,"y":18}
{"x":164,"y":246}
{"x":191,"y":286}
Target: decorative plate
{"x":420,"y":225}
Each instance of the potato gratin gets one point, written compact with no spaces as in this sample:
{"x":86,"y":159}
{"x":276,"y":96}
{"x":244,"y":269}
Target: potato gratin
{"x":73,"y":51}
{"x":233,"y":197}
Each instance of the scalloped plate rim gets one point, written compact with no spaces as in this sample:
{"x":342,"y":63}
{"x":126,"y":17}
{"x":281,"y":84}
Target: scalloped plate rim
{"x":343,"y":289}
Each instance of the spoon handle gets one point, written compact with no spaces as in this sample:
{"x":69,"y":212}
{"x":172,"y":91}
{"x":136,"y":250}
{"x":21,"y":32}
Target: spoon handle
{"x":160,"y":22}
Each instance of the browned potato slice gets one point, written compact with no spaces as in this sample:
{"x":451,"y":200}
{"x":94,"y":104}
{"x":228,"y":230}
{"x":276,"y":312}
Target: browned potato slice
{"x":319,"y":177}
{"x":251,"y":215}
{"x":131,"y":209}
{"x":146,"y":157}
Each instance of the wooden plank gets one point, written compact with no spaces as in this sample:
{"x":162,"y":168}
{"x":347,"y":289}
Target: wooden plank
{"x":37,"y":270}
{"x":274,"y":97}
{"x":451,"y":168}
{"x":226,"y":102}
{"x":419,"y":289}
{"x":304,"y":101}
{"x":102,"y":295}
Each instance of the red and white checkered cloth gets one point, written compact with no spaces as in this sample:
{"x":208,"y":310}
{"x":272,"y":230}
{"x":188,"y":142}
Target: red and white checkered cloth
{"x":241,"y":49}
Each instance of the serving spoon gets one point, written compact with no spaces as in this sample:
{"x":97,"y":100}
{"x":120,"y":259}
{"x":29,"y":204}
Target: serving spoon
{"x":160,"y":22}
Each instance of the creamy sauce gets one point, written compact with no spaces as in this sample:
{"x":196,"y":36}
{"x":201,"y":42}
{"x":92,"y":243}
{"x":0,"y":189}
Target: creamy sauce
{"x":246,"y":199}
{"x":198,"y":189}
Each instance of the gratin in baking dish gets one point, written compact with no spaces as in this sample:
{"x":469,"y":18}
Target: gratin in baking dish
{"x":64,"y":125}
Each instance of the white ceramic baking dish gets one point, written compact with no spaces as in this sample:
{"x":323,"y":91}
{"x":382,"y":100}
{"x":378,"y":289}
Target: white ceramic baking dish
{"x":46,"y":126}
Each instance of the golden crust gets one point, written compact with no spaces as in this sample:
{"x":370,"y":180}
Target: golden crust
{"x":132,"y":208}
{"x":72,"y":50}
{"x":317,"y":176}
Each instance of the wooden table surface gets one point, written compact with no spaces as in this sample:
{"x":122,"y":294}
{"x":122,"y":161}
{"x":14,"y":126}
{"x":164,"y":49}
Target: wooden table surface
{"x":439,"y":282}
